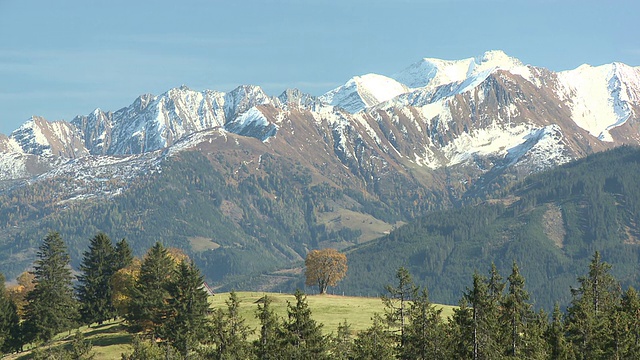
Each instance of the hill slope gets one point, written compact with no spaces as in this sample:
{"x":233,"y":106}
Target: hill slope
{"x":551,"y":224}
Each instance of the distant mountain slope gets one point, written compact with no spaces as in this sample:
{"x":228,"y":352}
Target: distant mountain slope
{"x":551,"y":223}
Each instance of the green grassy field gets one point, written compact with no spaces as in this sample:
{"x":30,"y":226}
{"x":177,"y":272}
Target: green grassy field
{"x":110,"y":340}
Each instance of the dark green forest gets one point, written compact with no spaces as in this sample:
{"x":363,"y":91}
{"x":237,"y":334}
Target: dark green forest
{"x":550,"y":223}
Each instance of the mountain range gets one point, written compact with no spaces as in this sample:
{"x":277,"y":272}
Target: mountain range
{"x":373,"y":153}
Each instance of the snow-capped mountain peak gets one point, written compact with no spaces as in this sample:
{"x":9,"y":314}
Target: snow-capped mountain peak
{"x":361,"y":92}
{"x":601,"y":97}
{"x":432,"y":73}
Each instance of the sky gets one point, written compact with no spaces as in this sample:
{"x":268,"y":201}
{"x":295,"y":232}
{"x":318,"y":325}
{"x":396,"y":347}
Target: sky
{"x":62,"y":58}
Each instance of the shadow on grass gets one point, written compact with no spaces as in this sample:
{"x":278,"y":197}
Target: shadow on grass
{"x":104,"y":329}
{"x":119,"y":339}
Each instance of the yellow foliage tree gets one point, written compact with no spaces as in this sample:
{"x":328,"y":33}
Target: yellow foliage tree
{"x":122,"y":283}
{"x":325,"y":268}
{"x":18,"y":293}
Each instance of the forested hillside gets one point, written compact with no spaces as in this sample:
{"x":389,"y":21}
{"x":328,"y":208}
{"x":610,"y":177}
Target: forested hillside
{"x":550,"y":224}
{"x":232,"y":220}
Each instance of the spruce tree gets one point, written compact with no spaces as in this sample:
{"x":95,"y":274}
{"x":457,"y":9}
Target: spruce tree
{"x":516,"y":313}
{"x":189,"y":306}
{"x":149,"y":304}
{"x":484,"y":330}
{"x":229,"y":333}
{"x":461,"y":329}
{"x":267,"y":346}
{"x":629,"y":344}
{"x":51,"y":307}
{"x":375,"y":343}
{"x":342,"y":343}
{"x":122,"y":255}
{"x":9,"y":321}
{"x":425,"y":335}
{"x":94,"y":288}
{"x":303,"y":337}
{"x":397,"y":300}
{"x":555,"y":337}
{"x":592,"y":307}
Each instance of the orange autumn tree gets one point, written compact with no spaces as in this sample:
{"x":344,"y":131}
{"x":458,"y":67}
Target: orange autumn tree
{"x":325,"y":268}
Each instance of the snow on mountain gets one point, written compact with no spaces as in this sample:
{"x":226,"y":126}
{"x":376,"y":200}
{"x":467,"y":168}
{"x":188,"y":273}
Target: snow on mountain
{"x":155,"y":122}
{"x":361,"y":92}
{"x":489,"y":111}
{"x":432,"y":73}
{"x":38,"y":136}
{"x":601,"y":97}
{"x":253,"y":123}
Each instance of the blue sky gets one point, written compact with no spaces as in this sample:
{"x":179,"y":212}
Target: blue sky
{"x":63,"y":58}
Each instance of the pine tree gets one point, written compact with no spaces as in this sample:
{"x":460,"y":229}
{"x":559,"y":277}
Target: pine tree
{"x":461,"y":331}
{"x":149,"y":308}
{"x":375,"y":343}
{"x":425,"y":336}
{"x":267,"y":345}
{"x":189,"y":306}
{"x":341,"y":343}
{"x":592,"y":307}
{"x":303,"y":337}
{"x":397,"y":301}
{"x":555,"y":337}
{"x":9,"y":321}
{"x":122,"y":256}
{"x":229,"y":333}
{"x":51,"y":307}
{"x":485,"y":329}
{"x":629,"y":311}
{"x":516,"y":312}
{"x":94,"y":289}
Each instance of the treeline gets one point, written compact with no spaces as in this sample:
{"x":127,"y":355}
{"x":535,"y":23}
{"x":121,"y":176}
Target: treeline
{"x":163,"y":299}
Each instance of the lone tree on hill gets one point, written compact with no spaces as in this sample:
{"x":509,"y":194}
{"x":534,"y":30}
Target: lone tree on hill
{"x":325,"y":268}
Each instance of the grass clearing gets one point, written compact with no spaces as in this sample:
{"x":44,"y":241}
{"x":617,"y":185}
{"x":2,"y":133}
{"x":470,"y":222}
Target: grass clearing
{"x":110,"y":339}
{"x":370,"y":227}
{"x":329,"y":310}
{"x":200,"y":244}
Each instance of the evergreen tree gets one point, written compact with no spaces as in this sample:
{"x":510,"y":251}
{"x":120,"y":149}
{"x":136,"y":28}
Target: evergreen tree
{"x":534,"y":345}
{"x":484,"y":329}
{"x":629,"y":344}
{"x":9,"y":321}
{"x":229,"y":333}
{"x":375,"y":343}
{"x":51,"y":307}
{"x":81,"y":349}
{"x":592,"y":307}
{"x":122,"y":255}
{"x":94,"y":289}
{"x":147,"y":350}
{"x":555,"y":337}
{"x":341,"y":343}
{"x":397,"y":300}
{"x":461,"y":331}
{"x":425,"y":334}
{"x":189,"y":306}
{"x":267,"y":346}
{"x":149,"y":305}
{"x":303,"y":337}
{"x":516,"y":313}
